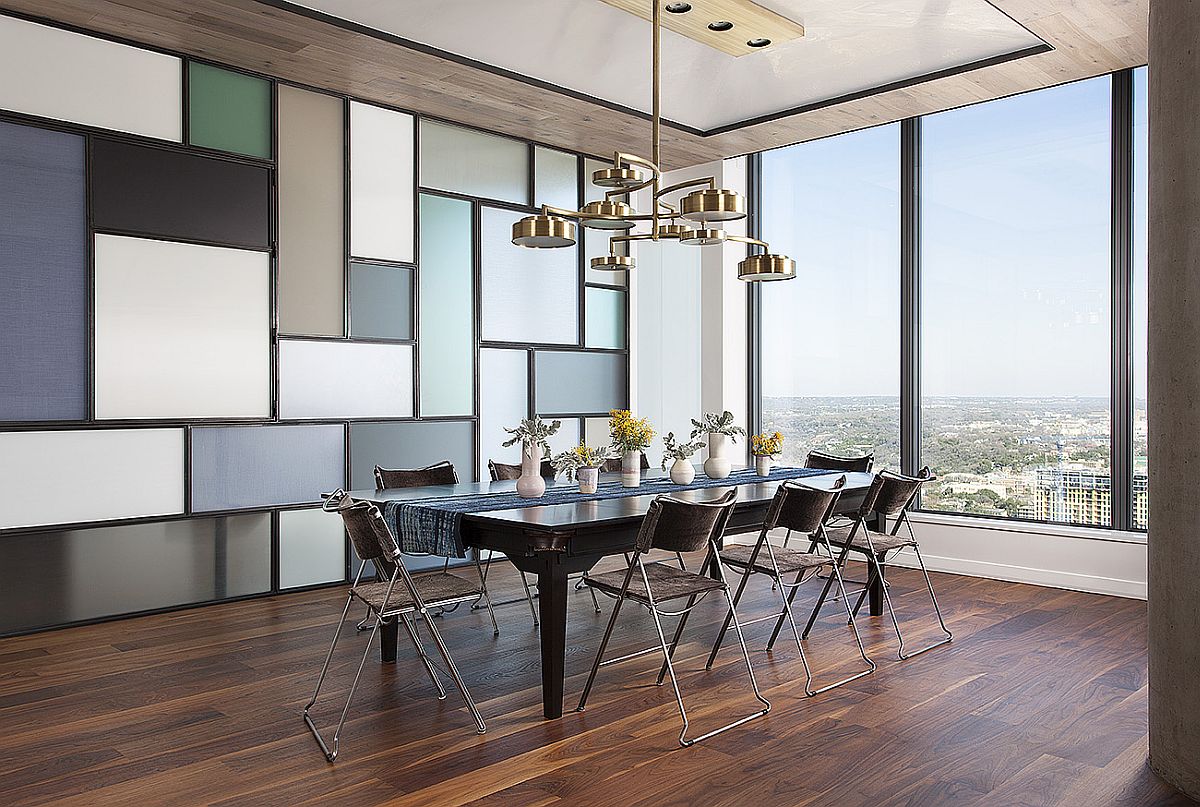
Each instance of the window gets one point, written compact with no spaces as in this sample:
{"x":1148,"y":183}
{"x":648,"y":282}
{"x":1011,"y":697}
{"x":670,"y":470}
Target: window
{"x":1015,"y":297}
{"x":830,"y":360}
{"x":1141,"y":181}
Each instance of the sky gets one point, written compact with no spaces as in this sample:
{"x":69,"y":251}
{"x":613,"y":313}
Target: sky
{"x":1015,"y":252}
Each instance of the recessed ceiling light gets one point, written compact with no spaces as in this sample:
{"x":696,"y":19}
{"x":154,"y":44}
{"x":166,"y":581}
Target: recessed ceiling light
{"x":720,"y":25}
{"x":678,"y":8}
{"x":759,"y":43}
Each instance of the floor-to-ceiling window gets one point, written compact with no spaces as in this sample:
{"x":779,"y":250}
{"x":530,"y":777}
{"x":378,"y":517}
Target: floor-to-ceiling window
{"x":1141,"y":179}
{"x":830,"y":358}
{"x":1015,"y":295}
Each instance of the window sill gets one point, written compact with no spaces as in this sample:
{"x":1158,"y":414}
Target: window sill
{"x":1031,"y":527}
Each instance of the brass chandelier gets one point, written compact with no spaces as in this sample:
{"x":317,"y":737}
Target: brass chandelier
{"x":695,"y":219}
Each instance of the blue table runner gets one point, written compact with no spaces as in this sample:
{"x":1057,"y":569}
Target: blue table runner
{"x":434,"y":526}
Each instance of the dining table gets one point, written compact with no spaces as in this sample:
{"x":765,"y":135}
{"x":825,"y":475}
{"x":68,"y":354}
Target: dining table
{"x":554,"y":541}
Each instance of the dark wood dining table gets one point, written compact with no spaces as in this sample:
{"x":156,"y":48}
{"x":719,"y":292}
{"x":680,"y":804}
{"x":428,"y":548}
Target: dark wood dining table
{"x":554,"y":541}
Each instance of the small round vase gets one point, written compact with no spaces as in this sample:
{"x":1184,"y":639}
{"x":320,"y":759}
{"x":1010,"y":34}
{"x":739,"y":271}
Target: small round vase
{"x":763,"y":464}
{"x":531,"y":485}
{"x":682,"y":472}
{"x":588,"y":479}
{"x":717,"y":465}
{"x":631,"y":469}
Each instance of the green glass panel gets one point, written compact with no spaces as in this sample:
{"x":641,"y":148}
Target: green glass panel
{"x":446,"y":336}
{"x":229,"y":111}
{"x":605,"y":318}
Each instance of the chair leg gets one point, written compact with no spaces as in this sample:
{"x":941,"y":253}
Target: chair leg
{"x":452,"y":668}
{"x":592,"y":591}
{"x":420,"y":647}
{"x":786,"y":612}
{"x":824,"y":593}
{"x":529,"y":596}
{"x":486,"y":597}
{"x":712,"y":657}
{"x":675,"y":640}
{"x":929,"y":584}
{"x":612,"y":621}
{"x":671,"y":671}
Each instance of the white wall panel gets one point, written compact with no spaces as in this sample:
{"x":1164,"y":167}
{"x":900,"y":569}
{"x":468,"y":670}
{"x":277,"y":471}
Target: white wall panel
{"x":382,"y":186}
{"x":503,"y":402}
{"x":182,"y":331}
{"x":344,"y":380}
{"x":67,"y":76}
{"x":475,"y":163}
{"x":63,"y":477}
{"x":312,"y":548}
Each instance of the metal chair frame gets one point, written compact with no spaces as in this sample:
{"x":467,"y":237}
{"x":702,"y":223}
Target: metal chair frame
{"x":405,"y":613}
{"x":802,"y":577}
{"x":652,"y":605}
{"x":876,"y":562}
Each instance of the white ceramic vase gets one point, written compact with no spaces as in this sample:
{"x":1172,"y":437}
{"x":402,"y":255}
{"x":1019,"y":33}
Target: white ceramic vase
{"x":682,"y":472}
{"x":531,"y":485}
{"x":763,"y":464}
{"x":631,"y":469}
{"x":588,"y":479}
{"x":717,"y":465}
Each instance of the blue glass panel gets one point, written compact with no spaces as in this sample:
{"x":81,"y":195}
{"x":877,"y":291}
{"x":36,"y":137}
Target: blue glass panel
{"x":410,"y":445}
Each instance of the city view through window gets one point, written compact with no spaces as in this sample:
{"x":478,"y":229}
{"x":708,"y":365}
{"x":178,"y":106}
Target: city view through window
{"x":1015,"y":304}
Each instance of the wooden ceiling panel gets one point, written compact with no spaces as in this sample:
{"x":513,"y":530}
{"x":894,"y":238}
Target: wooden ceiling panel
{"x":1090,"y":37}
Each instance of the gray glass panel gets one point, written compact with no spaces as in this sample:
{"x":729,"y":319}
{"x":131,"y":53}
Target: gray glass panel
{"x":555,"y":178}
{"x":381,"y":304}
{"x":312,"y":548}
{"x":447,"y":324}
{"x":255,"y":466}
{"x":474,"y":163}
{"x":58,"y":577}
{"x":145,"y":190}
{"x":604,"y":315}
{"x":43,"y":271}
{"x":410,"y":445}
{"x":573,"y":382}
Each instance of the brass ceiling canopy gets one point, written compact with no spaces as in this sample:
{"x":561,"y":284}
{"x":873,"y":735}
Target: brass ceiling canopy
{"x":736,"y":27}
{"x":704,"y":203}
{"x":543,"y":232}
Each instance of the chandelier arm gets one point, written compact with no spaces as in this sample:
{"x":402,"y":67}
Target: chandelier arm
{"x":747,"y":240}
{"x":678,"y":186}
{"x":622,"y":157}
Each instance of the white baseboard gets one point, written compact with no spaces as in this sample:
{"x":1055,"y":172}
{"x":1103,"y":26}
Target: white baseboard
{"x":1054,"y":578}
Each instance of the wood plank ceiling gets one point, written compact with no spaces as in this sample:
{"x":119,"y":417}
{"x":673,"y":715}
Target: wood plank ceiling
{"x":1090,"y":37}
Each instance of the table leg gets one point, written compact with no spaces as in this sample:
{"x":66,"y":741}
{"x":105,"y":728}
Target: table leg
{"x":552,"y":607}
{"x":875,"y":596}
{"x":388,"y":634}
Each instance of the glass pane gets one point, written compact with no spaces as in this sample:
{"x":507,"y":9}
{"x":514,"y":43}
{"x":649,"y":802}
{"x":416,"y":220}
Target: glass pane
{"x":198,"y":321}
{"x":344,"y":379}
{"x":604,"y":314}
{"x":64,"y":477}
{"x":229,"y":111}
{"x":44,"y":266}
{"x":381,"y":183}
{"x":529,"y":295}
{"x":595,"y":432}
{"x":1141,"y":181}
{"x":1015,"y":313}
{"x":474,"y":163}
{"x":576,"y":383}
{"x":410,"y":445}
{"x":555,"y":178}
{"x":503,"y":402}
{"x":312,"y":548}
{"x":447,"y":322}
{"x":595,"y":242}
{"x":836,"y":202}
{"x":74,"y":575}
{"x":312,"y":178}
{"x":567,"y":436}
{"x":259,"y":466}
{"x":381,"y":304}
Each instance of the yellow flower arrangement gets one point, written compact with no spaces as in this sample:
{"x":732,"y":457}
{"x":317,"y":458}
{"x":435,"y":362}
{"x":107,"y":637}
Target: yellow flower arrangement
{"x":767,"y":444}
{"x":629,"y":433}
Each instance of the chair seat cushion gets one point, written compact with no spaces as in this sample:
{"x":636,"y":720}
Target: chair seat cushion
{"x":666,"y":583}
{"x":838,"y":536}
{"x":437,"y":588}
{"x":788,"y":560}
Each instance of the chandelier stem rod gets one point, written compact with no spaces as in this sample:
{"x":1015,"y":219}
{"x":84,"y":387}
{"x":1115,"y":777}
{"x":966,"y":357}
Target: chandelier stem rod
{"x":656,"y":112}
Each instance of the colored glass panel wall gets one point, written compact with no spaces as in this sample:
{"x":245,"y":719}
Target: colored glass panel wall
{"x":573,"y":382}
{"x":447,"y":323}
{"x":503,"y":403}
{"x":381,"y":183}
{"x":344,"y":379}
{"x":410,"y":445}
{"x":474,"y":163}
{"x":604,"y":312}
{"x":381,"y":301}
{"x":229,"y":111}
{"x":312,"y":548}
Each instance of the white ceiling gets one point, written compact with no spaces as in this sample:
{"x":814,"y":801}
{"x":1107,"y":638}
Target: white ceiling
{"x":850,"y":46}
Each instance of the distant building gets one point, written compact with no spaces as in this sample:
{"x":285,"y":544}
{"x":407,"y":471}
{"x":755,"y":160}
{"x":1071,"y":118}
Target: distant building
{"x":1083,"y":497}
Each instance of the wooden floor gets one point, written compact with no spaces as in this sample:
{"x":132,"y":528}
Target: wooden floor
{"x":1040,"y":700}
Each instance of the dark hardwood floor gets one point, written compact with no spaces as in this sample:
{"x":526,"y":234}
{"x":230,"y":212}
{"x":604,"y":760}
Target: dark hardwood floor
{"x":1040,"y":700}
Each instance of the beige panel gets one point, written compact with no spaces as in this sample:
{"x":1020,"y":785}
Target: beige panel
{"x":312,"y":259}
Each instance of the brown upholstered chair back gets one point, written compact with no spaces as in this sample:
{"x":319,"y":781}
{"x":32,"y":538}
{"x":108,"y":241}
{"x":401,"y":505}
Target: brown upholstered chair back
{"x":891,"y":493}
{"x":369,"y":534}
{"x":801,"y":508}
{"x":682,"y":526}
{"x":501,"y":470}
{"x":613,"y":464}
{"x":832,"y":462}
{"x":441,"y":473}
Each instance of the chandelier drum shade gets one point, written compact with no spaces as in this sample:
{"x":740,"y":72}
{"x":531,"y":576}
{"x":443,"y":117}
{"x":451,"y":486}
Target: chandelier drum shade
{"x":694,"y":218}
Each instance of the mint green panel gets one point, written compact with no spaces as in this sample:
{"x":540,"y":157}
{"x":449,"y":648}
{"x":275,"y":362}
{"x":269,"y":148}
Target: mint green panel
{"x":604,"y":312}
{"x":445,"y":277}
{"x":229,"y":111}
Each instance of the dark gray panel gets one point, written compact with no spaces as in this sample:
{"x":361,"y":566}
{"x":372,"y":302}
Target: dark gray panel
{"x":410,"y":445}
{"x":43,"y":275}
{"x":381,"y":301}
{"x":154,"y":191}
{"x":255,"y":466}
{"x":574,"y":382}
{"x":52,"y":578}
